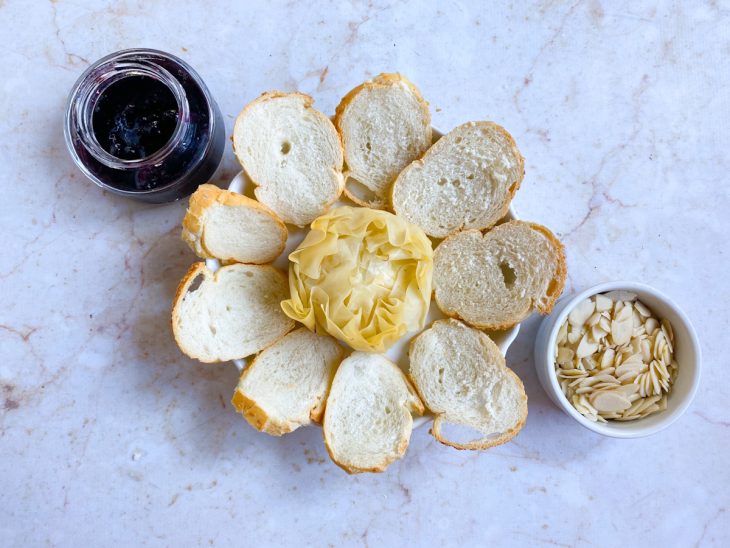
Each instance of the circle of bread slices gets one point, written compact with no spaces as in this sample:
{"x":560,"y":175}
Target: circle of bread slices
{"x":378,"y":152}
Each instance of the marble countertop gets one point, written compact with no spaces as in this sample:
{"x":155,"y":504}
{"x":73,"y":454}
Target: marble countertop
{"x":110,"y":437}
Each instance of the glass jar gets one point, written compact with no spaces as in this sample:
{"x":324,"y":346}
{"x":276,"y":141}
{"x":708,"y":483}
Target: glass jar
{"x":142,"y":124}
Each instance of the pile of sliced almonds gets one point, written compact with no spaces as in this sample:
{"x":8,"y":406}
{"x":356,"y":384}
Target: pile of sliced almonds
{"x":614,"y":359}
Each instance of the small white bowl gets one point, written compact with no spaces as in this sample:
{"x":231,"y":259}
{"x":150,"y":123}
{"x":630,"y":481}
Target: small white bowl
{"x":687,"y":354}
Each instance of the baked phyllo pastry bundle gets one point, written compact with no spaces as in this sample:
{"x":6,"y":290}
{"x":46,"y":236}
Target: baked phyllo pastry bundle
{"x":394,"y":219}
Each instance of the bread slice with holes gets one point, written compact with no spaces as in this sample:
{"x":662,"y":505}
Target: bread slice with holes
{"x":466,"y":180}
{"x":286,"y":385}
{"x":292,"y":153}
{"x":220,"y":224}
{"x":232,"y":313}
{"x":496,"y":280}
{"x":367,"y":420}
{"x":385,"y":125}
{"x":462,"y":378}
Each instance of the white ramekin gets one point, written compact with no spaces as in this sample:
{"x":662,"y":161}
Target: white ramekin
{"x":687,"y":354}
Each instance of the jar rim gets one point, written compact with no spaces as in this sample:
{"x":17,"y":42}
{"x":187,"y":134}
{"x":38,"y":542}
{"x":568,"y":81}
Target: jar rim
{"x":85,"y":96}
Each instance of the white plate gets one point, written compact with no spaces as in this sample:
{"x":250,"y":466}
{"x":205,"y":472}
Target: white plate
{"x":398,"y":353}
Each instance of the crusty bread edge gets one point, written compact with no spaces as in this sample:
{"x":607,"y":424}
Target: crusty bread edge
{"x":558,"y":280}
{"x":435,"y":431}
{"x":208,"y":195}
{"x":384,"y":205}
{"x":417,"y":406}
{"x":382,"y":467}
{"x":489,"y":442}
{"x":383,"y":80}
{"x":316,"y":414}
{"x":512,"y":189}
{"x":257,"y":417}
{"x":308,"y":104}
{"x":561,"y":273}
{"x":193,"y":272}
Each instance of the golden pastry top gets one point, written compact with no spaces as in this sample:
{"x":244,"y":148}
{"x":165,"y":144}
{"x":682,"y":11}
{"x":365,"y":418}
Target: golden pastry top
{"x":363,"y":276}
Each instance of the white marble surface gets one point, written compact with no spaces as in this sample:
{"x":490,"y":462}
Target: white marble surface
{"x":109,"y":437}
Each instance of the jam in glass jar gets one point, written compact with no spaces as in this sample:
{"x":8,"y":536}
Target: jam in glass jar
{"x":142,"y":124}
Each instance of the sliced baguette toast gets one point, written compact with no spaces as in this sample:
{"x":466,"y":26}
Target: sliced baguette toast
{"x":466,"y":180}
{"x":231,"y":314}
{"x":367,"y":420}
{"x":292,"y":153}
{"x":286,"y":385}
{"x":495,"y":280}
{"x":225,"y":225}
{"x":385,"y":125}
{"x":462,"y":378}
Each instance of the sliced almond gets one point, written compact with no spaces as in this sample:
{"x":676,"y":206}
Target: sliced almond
{"x":563,"y":333}
{"x":649,"y":410}
{"x":667,"y":328}
{"x":628,"y":390}
{"x":586,"y":348}
{"x":607,"y":358}
{"x":598,"y":333}
{"x":565,"y":355}
{"x":660,"y":343}
{"x":621,"y":328}
{"x":620,"y":295}
{"x":651,"y":325}
{"x":603,"y":303}
{"x":630,"y":367}
{"x":606,"y":385}
{"x":605,"y":323}
{"x":580,"y":314}
{"x":642,"y":309}
{"x":594,"y":319}
{"x":571,"y":373}
{"x":609,"y":401}
{"x":645,"y":351}
{"x":574,"y":336}
{"x":628,"y":376}
{"x":602,"y":377}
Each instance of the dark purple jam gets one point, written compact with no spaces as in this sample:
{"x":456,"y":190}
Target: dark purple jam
{"x":135,"y":117}
{"x":141,"y":123}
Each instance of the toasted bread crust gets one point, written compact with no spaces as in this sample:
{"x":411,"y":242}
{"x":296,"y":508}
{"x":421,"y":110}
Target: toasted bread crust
{"x":555,"y":286}
{"x":415,"y":406}
{"x":356,"y":470}
{"x":484,"y":443}
{"x":512,"y":189}
{"x":308,"y":102}
{"x":205,"y":197}
{"x":364,"y":203}
{"x":193,"y":272}
{"x":383,"y":80}
{"x":351,"y":469}
{"x":259,"y":418}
